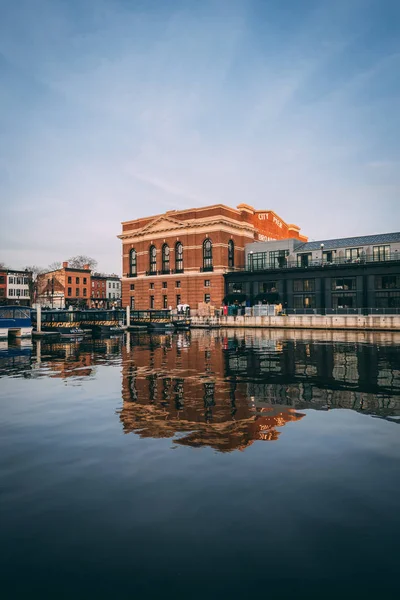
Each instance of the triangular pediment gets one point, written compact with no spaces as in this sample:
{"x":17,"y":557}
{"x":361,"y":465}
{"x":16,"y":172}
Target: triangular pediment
{"x":163,"y":223}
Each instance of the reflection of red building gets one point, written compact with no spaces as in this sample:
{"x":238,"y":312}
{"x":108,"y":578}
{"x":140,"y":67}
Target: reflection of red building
{"x":181,"y":256}
{"x":170,"y":388}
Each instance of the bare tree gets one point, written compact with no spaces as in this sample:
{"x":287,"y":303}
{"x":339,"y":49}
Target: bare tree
{"x":78,"y":262}
{"x":3,"y":265}
{"x":54,"y":266}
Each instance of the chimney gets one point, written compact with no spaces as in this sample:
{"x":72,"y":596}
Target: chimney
{"x":86,"y":267}
{"x":65,"y":264}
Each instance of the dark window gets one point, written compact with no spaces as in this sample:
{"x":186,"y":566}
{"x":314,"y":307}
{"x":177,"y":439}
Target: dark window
{"x":231,"y":254}
{"x":132,"y":286}
{"x":268,"y":286}
{"x":343,"y":300}
{"x":387,"y":282}
{"x":132,"y":302}
{"x":178,"y":299}
{"x":153,"y":259}
{"x":304,"y":301}
{"x":165,"y":258}
{"x":257,"y":261}
{"x":84,"y":281}
{"x":387,"y":299}
{"x":304,"y":285}
{"x":207,"y":255}
{"x":327,"y":256}
{"x":277,"y":259}
{"x":165,"y":301}
{"x":235,"y":288}
{"x":151,"y":301}
{"x":178,"y":257}
{"x":84,"y":291}
{"x":381,"y":252}
{"x":2,"y":292}
{"x":347,"y":283}
{"x":2,"y":279}
{"x":69,"y":291}
{"x":69,"y":279}
{"x":207,"y":298}
{"x":207,"y":283}
{"x":152,"y":286}
{"x":77,"y":292}
{"x":132,"y":262}
{"x":77,"y":280}
{"x":304,"y":260}
{"x":178,"y":284}
{"x":164,"y":284}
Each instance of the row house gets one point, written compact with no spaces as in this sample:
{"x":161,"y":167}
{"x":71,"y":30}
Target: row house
{"x":15,"y":287}
{"x":180,"y":257}
{"x":106,"y":291}
{"x":64,"y":287}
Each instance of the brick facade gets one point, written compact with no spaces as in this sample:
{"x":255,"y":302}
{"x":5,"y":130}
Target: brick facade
{"x":65,"y":287}
{"x":194,"y":280}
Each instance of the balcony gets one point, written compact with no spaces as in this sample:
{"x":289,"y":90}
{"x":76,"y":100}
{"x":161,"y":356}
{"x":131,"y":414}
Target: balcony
{"x":164,"y":272}
{"x":130,"y":274}
{"x":258,"y":265}
{"x":151,"y":273}
{"x":207,"y":269}
{"x":177,"y":271}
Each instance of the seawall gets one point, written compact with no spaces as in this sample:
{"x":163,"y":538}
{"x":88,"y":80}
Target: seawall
{"x":346,"y":322}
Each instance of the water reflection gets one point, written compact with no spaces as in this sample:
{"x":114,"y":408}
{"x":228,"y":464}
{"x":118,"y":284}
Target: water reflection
{"x":225,"y":390}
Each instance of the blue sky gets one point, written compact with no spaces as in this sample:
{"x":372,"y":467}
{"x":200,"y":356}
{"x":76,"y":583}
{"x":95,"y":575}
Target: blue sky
{"x":115,"y":109}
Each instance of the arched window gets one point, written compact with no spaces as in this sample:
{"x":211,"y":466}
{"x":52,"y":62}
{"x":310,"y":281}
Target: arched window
{"x":231,"y":254}
{"x":132,"y":263}
{"x":178,"y":257}
{"x":153,"y":259}
{"x":165,"y":258}
{"x":207,"y":255}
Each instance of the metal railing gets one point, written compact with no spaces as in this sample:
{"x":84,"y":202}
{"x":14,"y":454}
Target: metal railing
{"x":253,"y":263}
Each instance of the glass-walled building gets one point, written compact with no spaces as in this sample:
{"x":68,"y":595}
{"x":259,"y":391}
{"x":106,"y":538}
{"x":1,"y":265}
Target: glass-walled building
{"x":348,"y":274}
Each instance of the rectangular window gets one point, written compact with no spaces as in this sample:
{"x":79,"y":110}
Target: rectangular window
{"x":165,"y":301}
{"x":277,"y":259}
{"x":69,"y":279}
{"x":387,"y":299}
{"x":344,"y":300}
{"x":69,"y":293}
{"x":84,"y":280}
{"x":177,"y":284}
{"x":304,"y":285}
{"x":164,"y":284}
{"x":327,"y":257}
{"x":207,"y":298}
{"x":132,"y":302}
{"x":151,"y":301}
{"x":2,"y":279}
{"x":381,"y":253}
{"x":304,"y":260}
{"x":178,"y":299}
{"x":387,"y":282}
{"x":77,"y":280}
{"x":152,"y":286}
{"x":234,"y":287}
{"x":84,"y":291}
{"x":347,"y":283}
{"x":353,"y":254}
{"x":77,"y":292}
{"x":114,"y":286}
{"x":268,"y":286}
{"x":132,"y":286}
{"x":11,"y":292}
{"x":207,"y":283}
{"x":257,"y":261}
{"x":92,"y":283}
{"x":304,"y":301}
{"x":2,"y":290}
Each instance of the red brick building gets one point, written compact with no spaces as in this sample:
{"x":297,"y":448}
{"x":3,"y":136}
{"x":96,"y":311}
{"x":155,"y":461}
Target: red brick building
{"x":99,"y":291}
{"x":3,"y":285}
{"x":180,"y":257}
{"x":64,"y":287}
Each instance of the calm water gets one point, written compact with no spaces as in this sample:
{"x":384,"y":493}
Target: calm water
{"x":203,"y":465}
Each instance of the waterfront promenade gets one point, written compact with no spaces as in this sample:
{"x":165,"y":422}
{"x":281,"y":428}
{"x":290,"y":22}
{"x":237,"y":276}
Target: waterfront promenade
{"x":324,"y":322}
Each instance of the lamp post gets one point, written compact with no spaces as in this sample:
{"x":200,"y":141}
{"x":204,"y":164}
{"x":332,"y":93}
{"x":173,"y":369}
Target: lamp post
{"x":322,"y":254}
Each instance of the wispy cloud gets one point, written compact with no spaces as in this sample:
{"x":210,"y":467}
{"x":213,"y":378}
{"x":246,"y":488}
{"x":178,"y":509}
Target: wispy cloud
{"x":113,"y":112}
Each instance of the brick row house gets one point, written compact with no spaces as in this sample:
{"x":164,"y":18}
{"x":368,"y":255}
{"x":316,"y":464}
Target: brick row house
{"x":180,"y":257}
{"x":65,"y":287}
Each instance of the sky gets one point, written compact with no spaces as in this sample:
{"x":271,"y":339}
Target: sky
{"x":112,"y":110}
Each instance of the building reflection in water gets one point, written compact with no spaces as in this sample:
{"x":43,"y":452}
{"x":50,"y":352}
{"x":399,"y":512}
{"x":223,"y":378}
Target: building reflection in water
{"x":228,"y":390}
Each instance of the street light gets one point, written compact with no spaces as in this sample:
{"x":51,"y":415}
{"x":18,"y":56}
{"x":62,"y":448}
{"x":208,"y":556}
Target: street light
{"x":251,"y":260}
